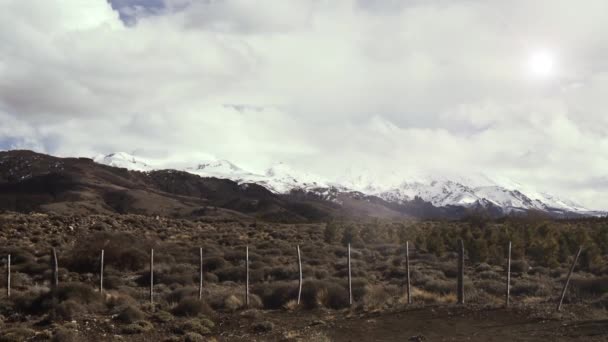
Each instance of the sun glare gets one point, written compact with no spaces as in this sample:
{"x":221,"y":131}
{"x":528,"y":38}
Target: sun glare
{"x":541,"y":64}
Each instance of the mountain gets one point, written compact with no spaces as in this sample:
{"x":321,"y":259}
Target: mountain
{"x":471,"y":191}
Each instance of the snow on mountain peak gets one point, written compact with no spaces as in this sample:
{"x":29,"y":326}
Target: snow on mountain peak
{"x":124,"y":160}
{"x":440,"y":190}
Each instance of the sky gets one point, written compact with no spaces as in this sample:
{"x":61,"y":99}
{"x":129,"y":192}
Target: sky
{"x":514,"y":89}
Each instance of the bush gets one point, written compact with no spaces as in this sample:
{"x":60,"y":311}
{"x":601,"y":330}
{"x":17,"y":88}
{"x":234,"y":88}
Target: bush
{"x":130,"y":314}
{"x":191,"y":307}
{"x":79,"y":296}
{"x":265,"y":326}
{"x":64,"y":335}
{"x":138,"y":327}
{"x":69,"y":309}
{"x":275,"y":296}
{"x":201,"y":326}
{"x":318,"y":293}
{"x":16,"y":334}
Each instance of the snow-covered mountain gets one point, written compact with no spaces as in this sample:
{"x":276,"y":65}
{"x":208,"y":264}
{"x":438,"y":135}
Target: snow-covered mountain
{"x":441,"y":191}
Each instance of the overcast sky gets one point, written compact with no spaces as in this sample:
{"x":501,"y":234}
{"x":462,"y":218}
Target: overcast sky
{"x":511,"y":88}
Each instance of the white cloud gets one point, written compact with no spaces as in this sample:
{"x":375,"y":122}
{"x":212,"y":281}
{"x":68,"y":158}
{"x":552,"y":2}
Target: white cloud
{"x":324,"y":85}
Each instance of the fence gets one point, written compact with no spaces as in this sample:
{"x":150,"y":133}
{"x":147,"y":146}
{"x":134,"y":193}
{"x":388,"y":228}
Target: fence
{"x":459,"y":286}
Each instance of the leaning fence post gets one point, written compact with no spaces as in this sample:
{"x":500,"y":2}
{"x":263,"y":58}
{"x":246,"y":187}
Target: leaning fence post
{"x":461,"y":273}
{"x":407,"y":272}
{"x":200,"y":278}
{"x":350,"y":283}
{"x":508,"y":294}
{"x":101,"y":272}
{"x":8,"y":276}
{"x":55,"y":270}
{"x":247,"y":275}
{"x":561,"y":300}
{"x":152,"y":276}
{"x":300,"y":269}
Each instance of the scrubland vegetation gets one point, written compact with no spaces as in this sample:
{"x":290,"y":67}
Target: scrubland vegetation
{"x":76,"y":310}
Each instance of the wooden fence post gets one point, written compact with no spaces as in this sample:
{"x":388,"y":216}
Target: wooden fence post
{"x":350,"y":283}
{"x":561,"y":300}
{"x":200,"y":278}
{"x":508,"y":294}
{"x":55,"y":270}
{"x":461,"y":273}
{"x":247,"y":275}
{"x":101,"y":272}
{"x":8,"y":276}
{"x":54,"y":283}
{"x":300,"y":269}
{"x":407,"y":272}
{"x":152,"y":276}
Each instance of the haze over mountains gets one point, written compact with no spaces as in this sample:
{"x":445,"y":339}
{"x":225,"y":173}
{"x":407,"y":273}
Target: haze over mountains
{"x":469,"y":191}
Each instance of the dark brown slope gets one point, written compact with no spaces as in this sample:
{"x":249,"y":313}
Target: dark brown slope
{"x":31,"y":181}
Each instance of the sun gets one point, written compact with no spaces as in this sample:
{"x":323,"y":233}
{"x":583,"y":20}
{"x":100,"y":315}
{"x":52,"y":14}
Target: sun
{"x":541,"y":64}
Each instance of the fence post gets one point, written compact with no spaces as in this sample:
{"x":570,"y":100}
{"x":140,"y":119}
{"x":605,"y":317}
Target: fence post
{"x":508,"y":295}
{"x":8,"y":276}
{"x":152,"y":276}
{"x":200,"y":278}
{"x":300,"y":269}
{"x":101,"y":272}
{"x":247,"y":275}
{"x":407,"y":272}
{"x":55,"y":270}
{"x":461,"y":273}
{"x":54,"y":283}
{"x":350,"y":283}
{"x":561,"y":300}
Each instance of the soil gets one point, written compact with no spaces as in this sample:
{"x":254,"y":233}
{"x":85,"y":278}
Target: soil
{"x":447,"y":323}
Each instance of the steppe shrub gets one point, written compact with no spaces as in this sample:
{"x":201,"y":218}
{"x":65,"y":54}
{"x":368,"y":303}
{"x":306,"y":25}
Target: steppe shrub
{"x":519,"y":266}
{"x":138,"y":327}
{"x":62,"y":334}
{"x":16,"y":334}
{"x":276,"y":295}
{"x":181,"y":293}
{"x":81,"y":298}
{"x":213,"y":263}
{"x":316,"y":293}
{"x":191,"y":307}
{"x":595,"y":287}
{"x":123,"y":251}
{"x":235,"y":273}
{"x":130,"y":314}
{"x":264,"y":326}
{"x":200,"y":326}
{"x":69,"y":309}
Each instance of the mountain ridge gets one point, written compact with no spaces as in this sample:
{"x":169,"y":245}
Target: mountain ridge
{"x":508,"y":195}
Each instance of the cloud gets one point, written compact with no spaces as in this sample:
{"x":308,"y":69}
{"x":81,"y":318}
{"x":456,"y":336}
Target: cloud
{"x":390,"y":86}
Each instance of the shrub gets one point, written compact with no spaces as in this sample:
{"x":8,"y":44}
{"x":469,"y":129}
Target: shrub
{"x":235,"y":273}
{"x":590,"y":286}
{"x":130,"y":314}
{"x":69,"y":309}
{"x":264,"y":326}
{"x":519,"y":266}
{"x":16,"y":334}
{"x":191,"y":307}
{"x":65,"y":335}
{"x":162,"y":316}
{"x":180,"y":294}
{"x":201,"y":326}
{"x":322,"y":293}
{"x":193,"y":337}
{"x":275,"y":296}
{"x":138,"y":327}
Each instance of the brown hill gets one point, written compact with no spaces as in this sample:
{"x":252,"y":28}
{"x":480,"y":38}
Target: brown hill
{"x":31,"y":181}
